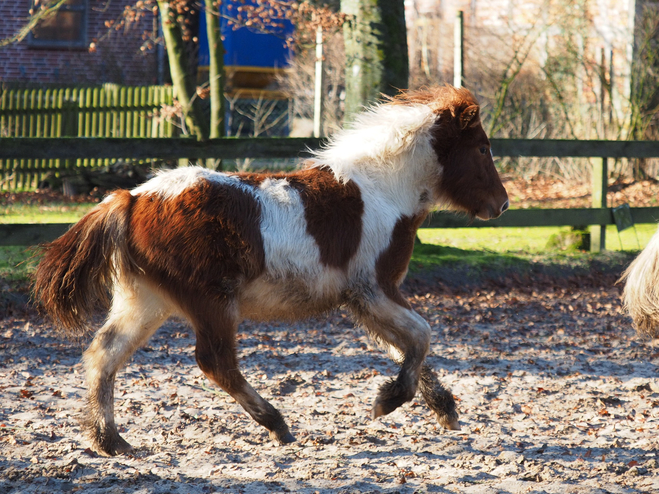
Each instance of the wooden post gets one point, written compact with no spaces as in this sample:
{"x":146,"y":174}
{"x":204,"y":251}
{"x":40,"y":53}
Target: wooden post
{"x":600,"y":184}
{"x":318,"y":90}
{"x":458,"y":57}
{"x":602,"y":94}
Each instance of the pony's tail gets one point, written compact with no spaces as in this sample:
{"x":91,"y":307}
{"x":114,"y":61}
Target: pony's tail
{"x":641,"y":293}
{"x":77,"y":270}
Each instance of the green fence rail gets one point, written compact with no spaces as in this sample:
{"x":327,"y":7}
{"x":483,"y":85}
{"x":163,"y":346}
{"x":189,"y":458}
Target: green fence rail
{"x":598,"y":216}
{"x":106,"y":111}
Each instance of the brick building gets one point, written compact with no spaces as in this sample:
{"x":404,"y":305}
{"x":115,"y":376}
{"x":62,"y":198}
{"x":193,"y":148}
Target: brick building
{"x":58,"y":51}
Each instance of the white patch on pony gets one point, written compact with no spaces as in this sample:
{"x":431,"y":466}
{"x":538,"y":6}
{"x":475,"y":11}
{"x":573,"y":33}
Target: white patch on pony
{"x":291,"y":255}
{"x":388,"y":153}
{"x":137,"y":312}
{"x":398,"y":328}
{"x":376,"y":139}
{"x":171,"y":183}
{"x":289,"y":250}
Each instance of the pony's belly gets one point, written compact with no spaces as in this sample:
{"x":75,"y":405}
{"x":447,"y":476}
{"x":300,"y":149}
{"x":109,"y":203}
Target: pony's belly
{"x":287,"y":299}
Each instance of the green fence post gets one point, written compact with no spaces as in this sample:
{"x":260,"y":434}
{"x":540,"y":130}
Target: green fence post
{"x":600,"y":185}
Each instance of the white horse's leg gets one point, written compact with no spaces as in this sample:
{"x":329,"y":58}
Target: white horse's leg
{"x":136,"y":313}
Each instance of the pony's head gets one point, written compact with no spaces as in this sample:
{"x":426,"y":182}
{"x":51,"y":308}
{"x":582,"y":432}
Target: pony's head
{"x":468,"y":180}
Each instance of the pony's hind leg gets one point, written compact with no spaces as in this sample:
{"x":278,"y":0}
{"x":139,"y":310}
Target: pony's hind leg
{"x":407,"y":336}
{"x":136,"y":313}
{"x":216,"y":356}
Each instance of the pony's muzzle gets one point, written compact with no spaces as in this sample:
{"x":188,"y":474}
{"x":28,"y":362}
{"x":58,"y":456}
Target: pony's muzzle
{"x":492,"y":210}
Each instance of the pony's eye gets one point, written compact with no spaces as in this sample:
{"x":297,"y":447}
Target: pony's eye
{"x":483,"y":150}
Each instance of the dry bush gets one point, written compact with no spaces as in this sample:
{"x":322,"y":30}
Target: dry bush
{"x":299,"y":83}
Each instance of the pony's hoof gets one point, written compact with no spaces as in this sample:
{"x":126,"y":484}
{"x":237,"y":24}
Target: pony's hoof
{"x":379,"y":410}
{"x":116,"y":447}
{"x":282,"y":438}
{"x":452,"y":426}
{"x":392,"y":394}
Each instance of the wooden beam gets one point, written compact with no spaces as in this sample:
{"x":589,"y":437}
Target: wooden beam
{"x":600,"y":176}
{"x":31,"y":234}
{"x":289,"y":147}
{"x":529,"y":217}
{"x":165,"y":148}
{"x":563,"y":148}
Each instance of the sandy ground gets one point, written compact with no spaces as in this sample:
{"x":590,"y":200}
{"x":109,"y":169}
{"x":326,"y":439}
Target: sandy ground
{"x":556,"y":395}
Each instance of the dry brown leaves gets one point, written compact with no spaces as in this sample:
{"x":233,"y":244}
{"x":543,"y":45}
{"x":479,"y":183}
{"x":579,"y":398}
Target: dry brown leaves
{"x":543,"y":192}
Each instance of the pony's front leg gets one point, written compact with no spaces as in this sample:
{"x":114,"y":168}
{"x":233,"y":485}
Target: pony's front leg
{"x":439,"y":398}
{"x":391,"y":321}
{"x":406,"y":335}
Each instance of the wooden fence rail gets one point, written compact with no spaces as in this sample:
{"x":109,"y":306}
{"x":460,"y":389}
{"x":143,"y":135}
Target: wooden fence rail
{"x":106,"y":111}
{"x":291,"y":147}
{"x":177,"y":148}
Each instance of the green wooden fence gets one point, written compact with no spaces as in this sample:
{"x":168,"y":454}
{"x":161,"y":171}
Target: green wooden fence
{"x":106,"y":111}
{"x":598,"y":216}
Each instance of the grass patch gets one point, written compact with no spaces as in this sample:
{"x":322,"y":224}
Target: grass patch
{"x":44,"y":213}
{"x":457,"y":268}
{"x":528,"y":240}
{"x":16,"y":266}
{"x":428,"y":256}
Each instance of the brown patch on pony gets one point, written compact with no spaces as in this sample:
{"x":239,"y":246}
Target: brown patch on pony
{"x":72,"y":279}
{"x":201,"y":243}
{"x":333,"y":212}
{"x":391,"y":266}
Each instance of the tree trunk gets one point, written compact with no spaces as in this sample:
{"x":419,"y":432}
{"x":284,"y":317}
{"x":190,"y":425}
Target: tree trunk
{"x":185,"y":86}
{"x":376,"y":51}
{"x":216,"y":69}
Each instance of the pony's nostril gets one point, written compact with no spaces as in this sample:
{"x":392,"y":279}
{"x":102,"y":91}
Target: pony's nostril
{"x":504,"y":207}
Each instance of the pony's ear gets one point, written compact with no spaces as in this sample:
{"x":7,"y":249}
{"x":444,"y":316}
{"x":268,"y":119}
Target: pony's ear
{"x":469,"y":117}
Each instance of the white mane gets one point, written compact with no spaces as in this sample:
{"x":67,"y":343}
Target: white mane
{"x":379,"y":142}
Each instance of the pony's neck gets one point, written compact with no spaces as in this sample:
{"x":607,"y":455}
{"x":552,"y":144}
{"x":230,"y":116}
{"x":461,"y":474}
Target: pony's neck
{"x":388,"y":151}
{"x":407,"y":183}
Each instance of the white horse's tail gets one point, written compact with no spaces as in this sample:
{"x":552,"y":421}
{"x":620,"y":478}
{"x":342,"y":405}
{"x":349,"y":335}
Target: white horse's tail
{"x":641,"y":293}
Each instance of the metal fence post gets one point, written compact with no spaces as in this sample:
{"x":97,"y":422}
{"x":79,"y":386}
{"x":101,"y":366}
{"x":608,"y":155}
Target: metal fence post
{"x":600,"y":185}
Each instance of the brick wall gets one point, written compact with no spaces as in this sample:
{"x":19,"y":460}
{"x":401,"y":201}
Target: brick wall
{"x":118,"y":57}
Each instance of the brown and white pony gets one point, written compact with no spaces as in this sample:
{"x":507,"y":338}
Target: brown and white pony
{"x":218,"y":248}
{"x":641,"y":293}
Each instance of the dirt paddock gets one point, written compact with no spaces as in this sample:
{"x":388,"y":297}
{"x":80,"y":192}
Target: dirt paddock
{"x":556,"y":395}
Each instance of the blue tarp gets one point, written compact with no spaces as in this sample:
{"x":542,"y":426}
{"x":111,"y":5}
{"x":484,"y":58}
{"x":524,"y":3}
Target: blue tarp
{"x":246,"y":47}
